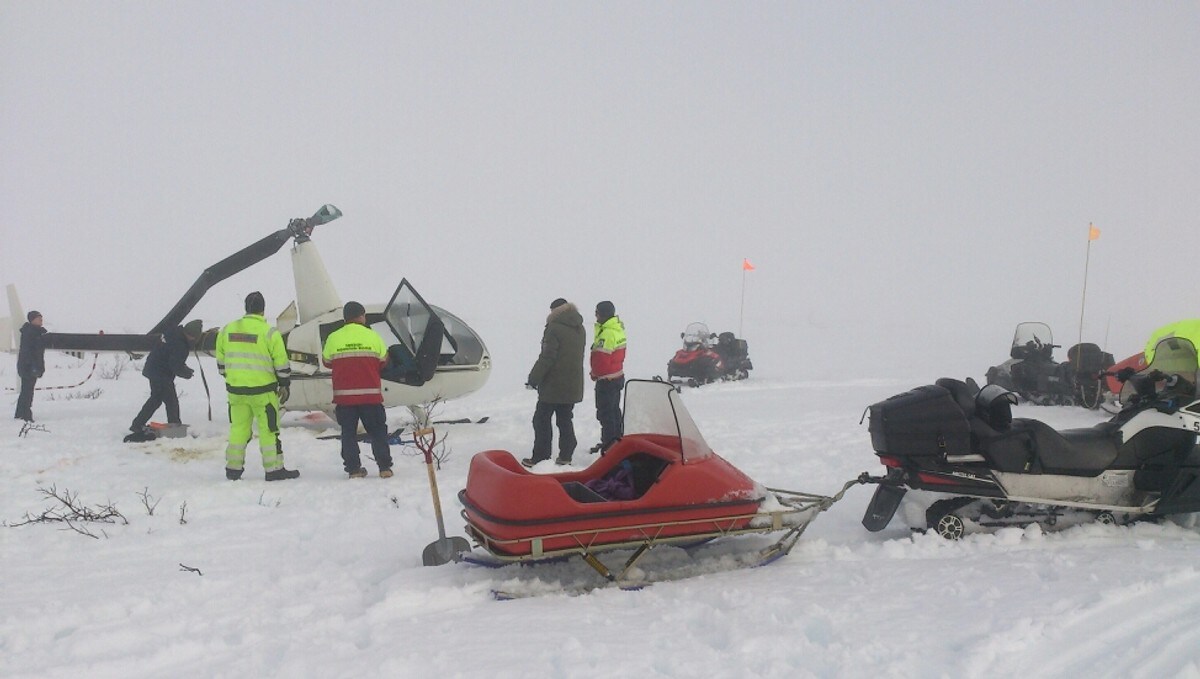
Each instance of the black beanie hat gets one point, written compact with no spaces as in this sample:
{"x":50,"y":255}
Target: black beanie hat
{"x":352,"y":310}
{"x":557,"y":303}
{"x":255,"y":304}
{"x":606,"y":309}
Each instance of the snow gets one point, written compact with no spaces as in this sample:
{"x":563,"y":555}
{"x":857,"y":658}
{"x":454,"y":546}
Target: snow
{"x":322,"y":576}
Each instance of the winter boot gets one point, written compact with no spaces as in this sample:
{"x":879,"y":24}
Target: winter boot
{"x":282,"y":474}
{"x":233,"y":474}
{"x":385,"y":473}
{"x":140,"y":436}
{"x":359,"y":473}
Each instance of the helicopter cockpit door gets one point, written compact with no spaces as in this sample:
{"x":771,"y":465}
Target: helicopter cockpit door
{"x":421,"y":333}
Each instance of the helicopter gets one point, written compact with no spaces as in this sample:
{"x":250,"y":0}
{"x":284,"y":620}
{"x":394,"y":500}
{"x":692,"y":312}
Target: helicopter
{"x":433,"y":355}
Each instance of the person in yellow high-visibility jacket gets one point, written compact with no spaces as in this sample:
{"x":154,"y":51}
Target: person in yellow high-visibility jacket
{"x":252,"y":358}
{"x":356,"y":353}
{"x":1187,"y":329}
{"x":608,"y":372}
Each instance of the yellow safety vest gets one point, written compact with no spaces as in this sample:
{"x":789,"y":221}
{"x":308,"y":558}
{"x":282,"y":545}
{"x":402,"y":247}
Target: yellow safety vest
{"x":251,"y":356}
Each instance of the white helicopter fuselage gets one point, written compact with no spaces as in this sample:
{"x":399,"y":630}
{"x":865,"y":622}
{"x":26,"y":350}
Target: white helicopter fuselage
{"x":312,"y":381}
{"x":463,"y":364}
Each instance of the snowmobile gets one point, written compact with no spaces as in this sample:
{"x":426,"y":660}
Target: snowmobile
{"x":1033,"y":374}
{"x":1085,"y":368}
{"x":658,"y":484}
{"x":700,"y":361}
{"x":986,"y":469}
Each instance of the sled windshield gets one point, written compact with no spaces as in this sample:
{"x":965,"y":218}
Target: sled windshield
{"x":653,"y":407}
{"x":1173,"y":357}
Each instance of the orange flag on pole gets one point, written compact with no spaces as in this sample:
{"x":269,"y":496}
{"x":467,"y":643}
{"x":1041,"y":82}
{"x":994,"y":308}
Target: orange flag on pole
{"x":1093,"y":232}
{"x":747,"y":266}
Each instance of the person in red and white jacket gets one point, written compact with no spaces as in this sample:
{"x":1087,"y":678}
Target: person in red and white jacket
{"x":608,"y":372}
{"x":357,"y":354}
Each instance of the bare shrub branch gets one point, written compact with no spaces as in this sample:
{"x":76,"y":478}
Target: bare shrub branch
{"x":70,"y":512}
{"x":148,"y":501}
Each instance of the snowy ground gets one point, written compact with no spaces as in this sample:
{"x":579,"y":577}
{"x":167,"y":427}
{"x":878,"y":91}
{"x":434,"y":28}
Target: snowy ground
{"x":322,"y":577}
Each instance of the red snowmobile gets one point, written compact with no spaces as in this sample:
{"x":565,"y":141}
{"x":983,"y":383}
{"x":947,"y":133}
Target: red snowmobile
{"x":701,"y":361}
{"x":659,"y":484}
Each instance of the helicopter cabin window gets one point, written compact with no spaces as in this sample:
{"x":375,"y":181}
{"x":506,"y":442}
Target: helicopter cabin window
{"x":399,"y":351}
{"x":462,"y":345}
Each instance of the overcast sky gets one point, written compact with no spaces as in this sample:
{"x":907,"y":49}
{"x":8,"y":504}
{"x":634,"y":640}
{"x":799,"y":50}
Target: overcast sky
{"x":910,"y":179}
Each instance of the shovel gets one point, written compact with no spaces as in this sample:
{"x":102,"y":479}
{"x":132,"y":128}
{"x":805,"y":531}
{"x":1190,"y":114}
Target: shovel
{"x":444,"y":549}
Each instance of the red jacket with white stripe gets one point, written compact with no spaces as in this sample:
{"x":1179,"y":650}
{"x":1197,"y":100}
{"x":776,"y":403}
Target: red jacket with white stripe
{"x":356,"y":354}
{"x":608,"y":350}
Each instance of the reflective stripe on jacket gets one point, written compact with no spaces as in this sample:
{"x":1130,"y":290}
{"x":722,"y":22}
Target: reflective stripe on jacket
{"x":608,"y":350}
{"x":356,"y":354}
{"x":251,"y":356}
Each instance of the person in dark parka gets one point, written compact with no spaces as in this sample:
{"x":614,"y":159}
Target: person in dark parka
{"x":166,"y":361}
{"x":31,"y":363}
{"x":558,"y":377}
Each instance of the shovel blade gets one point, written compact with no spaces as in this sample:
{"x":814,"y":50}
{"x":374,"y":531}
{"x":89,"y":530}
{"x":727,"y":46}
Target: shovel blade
{"x":444,"y":551}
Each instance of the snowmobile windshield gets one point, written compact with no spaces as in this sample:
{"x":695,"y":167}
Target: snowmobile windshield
{"x":653,"y":407}
{"x":696,"y":335}
{"x":1173,"y":357}
{"x":1038,"y":333}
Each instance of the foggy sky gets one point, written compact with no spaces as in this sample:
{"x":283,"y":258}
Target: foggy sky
{"x":911,"y":180}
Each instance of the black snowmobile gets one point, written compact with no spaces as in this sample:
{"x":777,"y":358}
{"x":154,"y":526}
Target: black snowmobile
{"x":700,"y":361}
{"x":983,"y":469}
{"x":1032,"y":373}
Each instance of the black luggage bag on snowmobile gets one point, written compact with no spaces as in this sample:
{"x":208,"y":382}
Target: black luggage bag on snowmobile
{"x":926,"y":421}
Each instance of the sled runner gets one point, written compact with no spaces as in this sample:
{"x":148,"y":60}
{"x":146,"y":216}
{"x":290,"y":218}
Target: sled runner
{"x":659,"y":484}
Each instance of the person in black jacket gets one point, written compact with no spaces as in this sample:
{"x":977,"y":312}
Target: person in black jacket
{"x":166,"y":361}
{"x":31,"y":363}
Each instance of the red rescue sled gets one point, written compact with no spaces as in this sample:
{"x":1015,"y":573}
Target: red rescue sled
{"x":676,"y":490}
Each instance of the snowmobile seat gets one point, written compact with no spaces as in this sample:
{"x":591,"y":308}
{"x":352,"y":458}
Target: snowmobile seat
{"x":1073,"y":452}
{"x":963,"y":394}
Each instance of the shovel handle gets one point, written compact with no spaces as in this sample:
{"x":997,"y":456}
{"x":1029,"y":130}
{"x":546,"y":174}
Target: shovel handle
{"x":437,"y":500}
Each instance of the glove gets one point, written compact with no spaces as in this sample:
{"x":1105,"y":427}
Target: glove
{"x":283,"y":393}
{"x":188,"y":375}
{"x":1125,"y":373}
{"x":531,"y":386}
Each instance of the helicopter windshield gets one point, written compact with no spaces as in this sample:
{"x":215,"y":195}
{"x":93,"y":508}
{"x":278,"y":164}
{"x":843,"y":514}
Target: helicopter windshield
{"x":1038,"y":333}
{"x":1173,"y":356}
{"x":653,"y":407}
{"x":461,"y":345}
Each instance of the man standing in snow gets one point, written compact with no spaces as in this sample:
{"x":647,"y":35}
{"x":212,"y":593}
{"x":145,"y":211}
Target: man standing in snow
{"x":608,"y":372}
{"x":254,"y":362}
{"x":357,"y":354}
{"x":31,"y":363}
{"x":167,"y":360}
{"x":558,"y":377}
